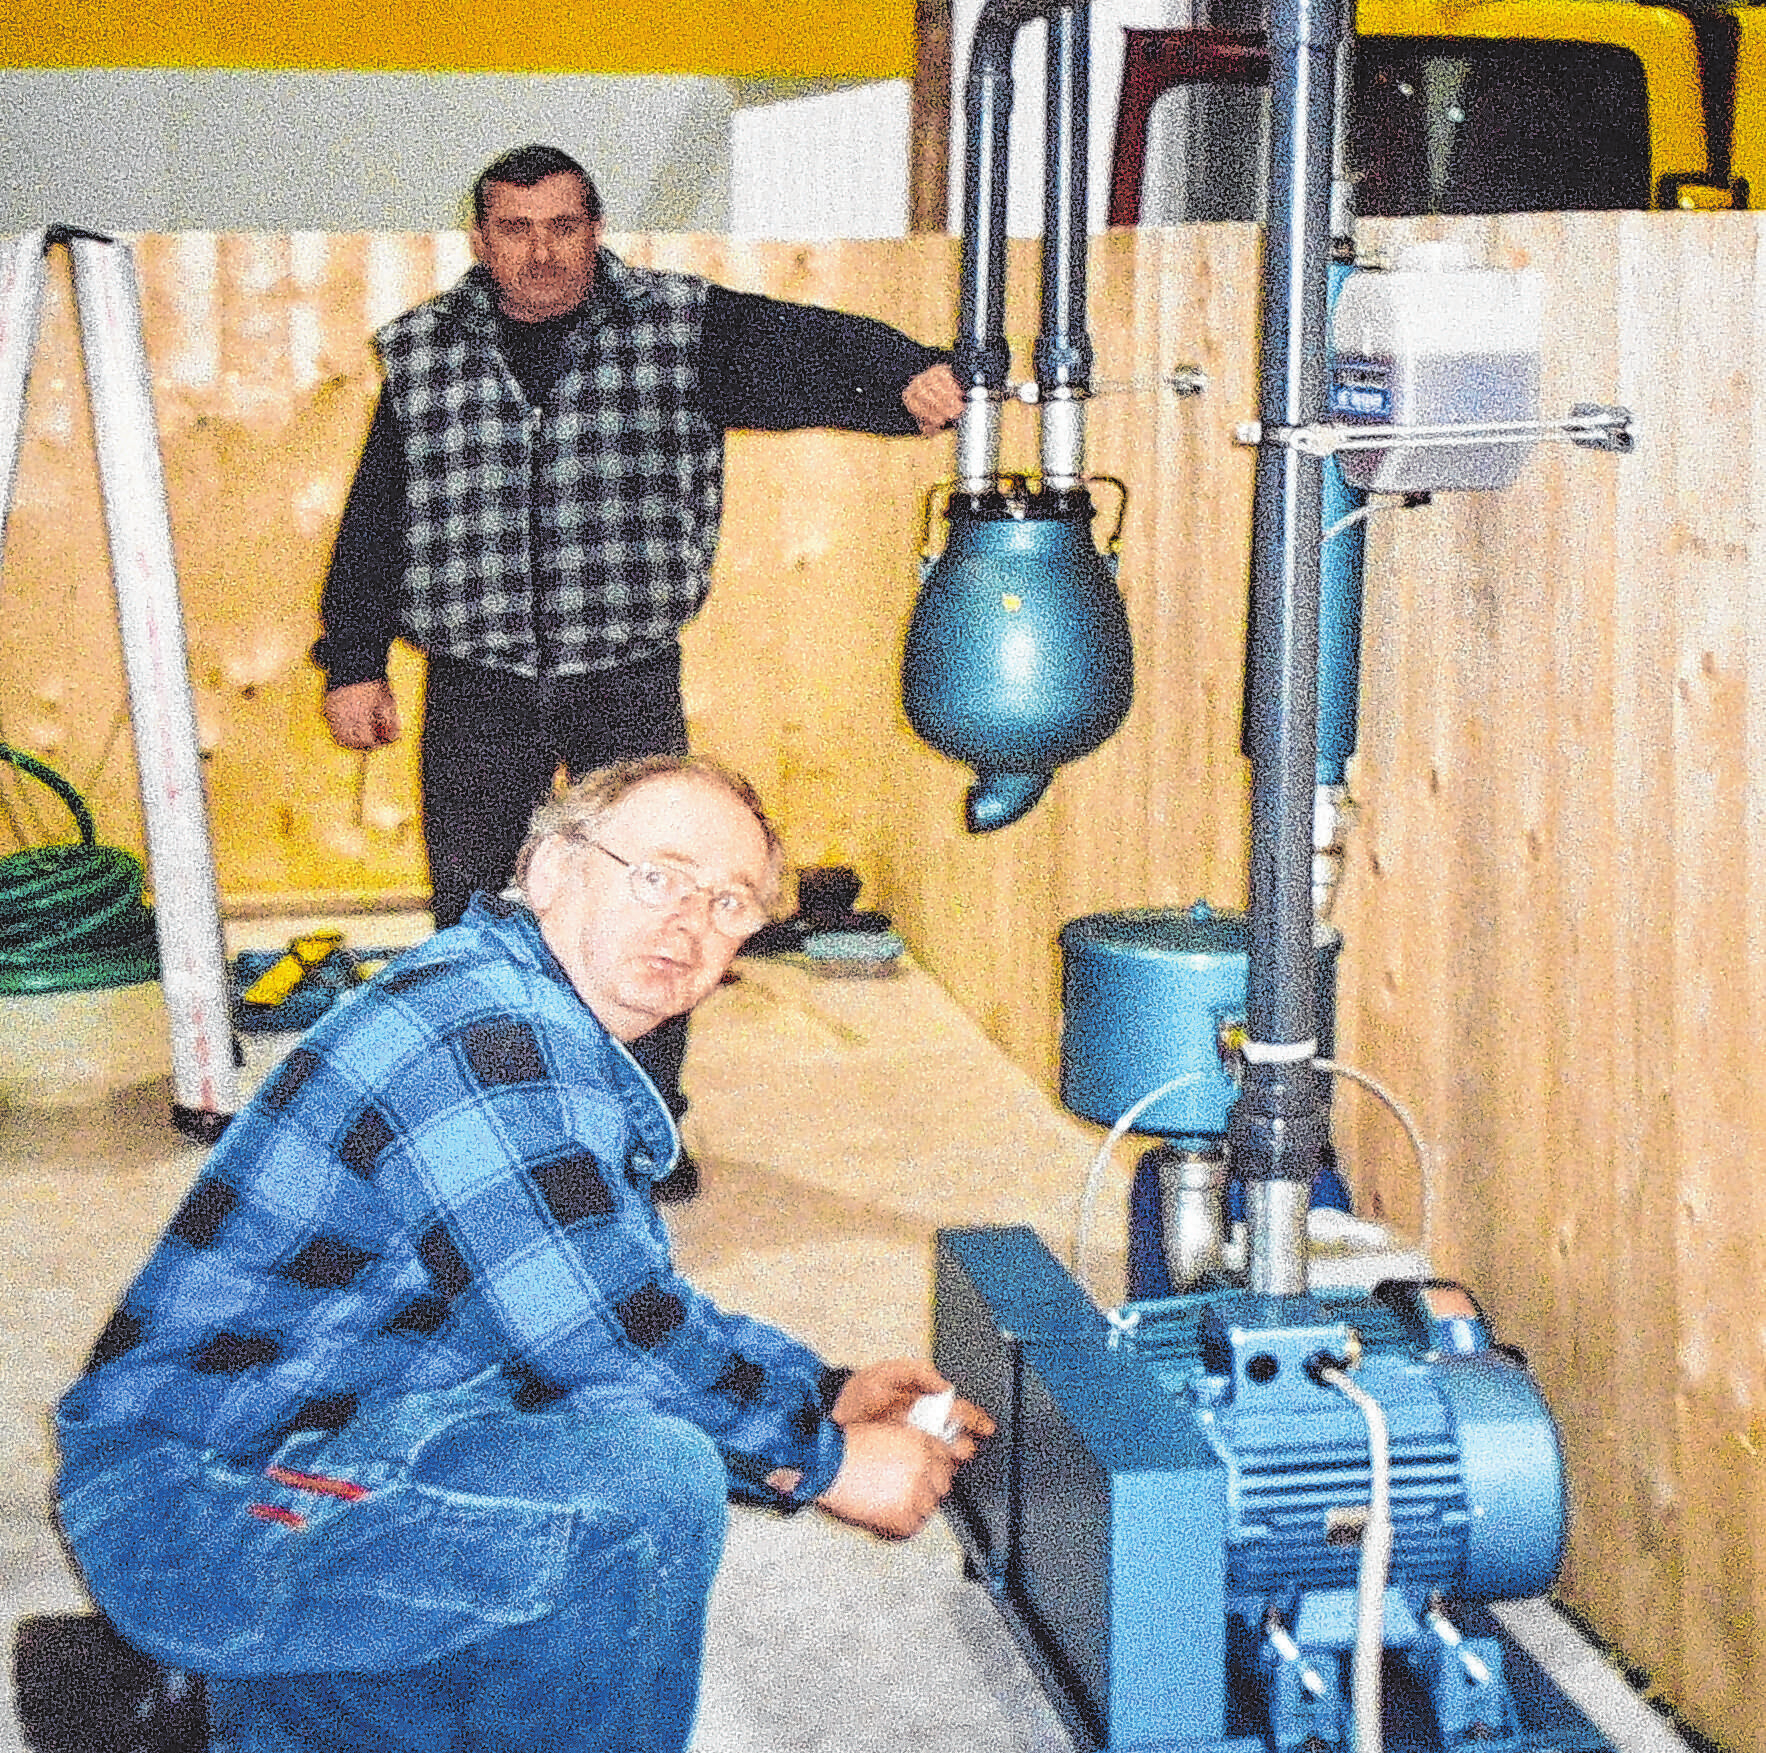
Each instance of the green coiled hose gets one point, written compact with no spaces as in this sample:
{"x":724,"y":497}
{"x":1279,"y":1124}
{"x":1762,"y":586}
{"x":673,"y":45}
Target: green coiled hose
{"x":71,"y":917}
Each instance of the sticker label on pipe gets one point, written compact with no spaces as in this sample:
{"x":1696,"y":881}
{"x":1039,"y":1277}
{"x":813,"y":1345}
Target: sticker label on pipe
{"x":1361,"y":389}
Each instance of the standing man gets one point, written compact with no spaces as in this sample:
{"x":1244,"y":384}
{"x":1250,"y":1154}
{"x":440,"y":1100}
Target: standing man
{"x":409,"y":1436}
{"x":537,"y":509}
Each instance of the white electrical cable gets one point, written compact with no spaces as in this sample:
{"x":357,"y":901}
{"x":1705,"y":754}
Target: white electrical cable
{"x":1349,"y":520}
{"x":1425,"y":1178}
{"x":1376,"y":1563}
{"x":1094,"y":1179}
{"x":1334,"y":1068}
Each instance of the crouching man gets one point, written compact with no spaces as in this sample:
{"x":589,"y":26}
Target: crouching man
{"x":408,"y":1436}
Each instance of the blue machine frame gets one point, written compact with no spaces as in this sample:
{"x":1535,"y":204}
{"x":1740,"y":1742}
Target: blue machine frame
{"x":1107,"y":1524}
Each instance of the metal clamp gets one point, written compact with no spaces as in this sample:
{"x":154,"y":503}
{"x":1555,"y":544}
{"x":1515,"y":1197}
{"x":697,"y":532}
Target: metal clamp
{"x":1181,"y":380}
{"x":1016,"y":491}
{"x":1590,"y":426}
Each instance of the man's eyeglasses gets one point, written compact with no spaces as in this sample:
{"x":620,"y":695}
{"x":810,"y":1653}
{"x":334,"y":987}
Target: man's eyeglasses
{"x":732,"y":912}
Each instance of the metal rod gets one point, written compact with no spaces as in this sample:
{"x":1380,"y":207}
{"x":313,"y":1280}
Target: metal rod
{"x":186,"y":899}
{"x":21,"y":304}
{"x":1596,"y":428}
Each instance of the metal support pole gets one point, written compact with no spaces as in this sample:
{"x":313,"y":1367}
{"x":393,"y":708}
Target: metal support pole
{"x":187,"y":911}
{"x":1279,"y":1125}
{"x":21,"y":304}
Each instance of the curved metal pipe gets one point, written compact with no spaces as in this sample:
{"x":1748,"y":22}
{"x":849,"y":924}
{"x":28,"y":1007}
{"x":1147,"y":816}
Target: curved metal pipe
{"x":1047,"y":634}
{"x":982,"y":357}
{"x":1063,"y":350}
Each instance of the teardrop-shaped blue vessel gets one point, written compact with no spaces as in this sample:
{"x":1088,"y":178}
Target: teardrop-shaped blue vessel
{"x":1018,"y":654}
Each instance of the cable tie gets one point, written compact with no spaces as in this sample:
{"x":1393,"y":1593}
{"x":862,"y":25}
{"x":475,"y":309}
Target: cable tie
{"x":1278,"y":1052}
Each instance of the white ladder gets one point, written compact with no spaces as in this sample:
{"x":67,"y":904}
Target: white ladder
{"x":187,"y":906}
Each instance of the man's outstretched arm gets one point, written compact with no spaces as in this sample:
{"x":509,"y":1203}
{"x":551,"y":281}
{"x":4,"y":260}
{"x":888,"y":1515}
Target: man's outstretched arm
{"x":359,"y":605}
{"x":770,"y":366}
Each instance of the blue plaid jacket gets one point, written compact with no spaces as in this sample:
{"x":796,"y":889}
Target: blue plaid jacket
{"x":449,"y":1173}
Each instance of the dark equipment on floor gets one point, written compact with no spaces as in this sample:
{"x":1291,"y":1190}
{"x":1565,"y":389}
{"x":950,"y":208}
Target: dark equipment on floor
{"x":79,"y":1688}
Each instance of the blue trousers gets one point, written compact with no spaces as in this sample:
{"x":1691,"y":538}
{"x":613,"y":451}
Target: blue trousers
{"x":448,"y":1575}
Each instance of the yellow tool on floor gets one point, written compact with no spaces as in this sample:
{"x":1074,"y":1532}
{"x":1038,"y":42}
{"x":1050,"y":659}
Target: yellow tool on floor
{"x":279,"y":980}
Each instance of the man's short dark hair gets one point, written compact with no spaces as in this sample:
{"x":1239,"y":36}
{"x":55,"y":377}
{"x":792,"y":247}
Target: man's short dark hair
{"x":528,"y":165}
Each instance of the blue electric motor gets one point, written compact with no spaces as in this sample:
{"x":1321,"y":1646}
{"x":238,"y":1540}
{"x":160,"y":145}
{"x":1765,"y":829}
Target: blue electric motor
{"x":1171,"y":1517}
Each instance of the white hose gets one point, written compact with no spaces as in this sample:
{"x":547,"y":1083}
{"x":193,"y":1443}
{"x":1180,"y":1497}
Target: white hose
{"x":1100,"y":1163}
{"x":1349,"y":519}
{"x":1376,"y":1563}
{"x":1424,"y":1178}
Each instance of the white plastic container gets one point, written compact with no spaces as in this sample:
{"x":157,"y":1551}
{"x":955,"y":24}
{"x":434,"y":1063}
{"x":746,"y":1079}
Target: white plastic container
{"x":1435,"y":342}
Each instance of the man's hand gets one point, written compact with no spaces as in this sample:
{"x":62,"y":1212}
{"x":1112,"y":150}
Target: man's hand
{"x":882,"y":1393}
{"x":934,"y":398}
{"x":892,"y":1479}
{"x":362,"y":715}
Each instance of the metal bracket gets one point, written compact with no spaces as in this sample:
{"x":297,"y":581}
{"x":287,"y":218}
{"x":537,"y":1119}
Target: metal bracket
{"x":1181,"y":380}
{"x":1590,"y":426}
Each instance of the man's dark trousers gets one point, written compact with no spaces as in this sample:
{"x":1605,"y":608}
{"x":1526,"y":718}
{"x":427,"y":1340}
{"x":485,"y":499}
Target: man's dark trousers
{"x":493,"y":742}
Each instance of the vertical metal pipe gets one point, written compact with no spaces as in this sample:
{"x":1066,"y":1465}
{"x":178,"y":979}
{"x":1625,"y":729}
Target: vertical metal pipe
{"x":1279,"y":1124}
{"x":21,"y":304}
{"x":1063,"y":347}
{"x":982,"y":356}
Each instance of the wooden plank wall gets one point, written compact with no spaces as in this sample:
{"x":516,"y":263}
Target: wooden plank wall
{"x":1552,"y":910}
{"x":1554,"y":919}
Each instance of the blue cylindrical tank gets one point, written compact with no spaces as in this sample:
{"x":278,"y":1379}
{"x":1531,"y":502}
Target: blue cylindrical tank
{"x":1149,"y":994}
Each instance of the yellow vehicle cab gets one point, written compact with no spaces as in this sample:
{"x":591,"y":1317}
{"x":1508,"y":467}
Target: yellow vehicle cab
{"x":1501,"y":106}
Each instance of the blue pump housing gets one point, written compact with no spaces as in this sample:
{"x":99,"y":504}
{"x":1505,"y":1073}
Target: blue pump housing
{"x":1018,"y":656}
{"x":1152,"y":994}
{"x":1170,"y":1515}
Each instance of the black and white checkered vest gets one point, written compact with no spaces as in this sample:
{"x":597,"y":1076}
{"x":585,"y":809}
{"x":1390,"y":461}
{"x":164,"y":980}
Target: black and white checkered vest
{"x":573,"y":537}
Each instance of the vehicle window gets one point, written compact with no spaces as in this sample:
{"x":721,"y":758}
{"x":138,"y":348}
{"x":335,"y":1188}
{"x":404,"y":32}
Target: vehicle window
{"x":1439,"y":125}
{"x":1206,"y":154}
{"x":1504,"y":126}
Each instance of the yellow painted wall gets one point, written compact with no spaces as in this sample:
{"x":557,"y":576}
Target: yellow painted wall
{"x":824,"y":39}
